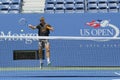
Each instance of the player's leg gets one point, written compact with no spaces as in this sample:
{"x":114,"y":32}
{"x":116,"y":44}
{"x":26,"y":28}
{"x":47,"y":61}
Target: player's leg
{"x":47,"y":46}
{"x":40,"y":53}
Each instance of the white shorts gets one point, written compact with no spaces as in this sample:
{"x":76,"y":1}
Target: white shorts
{"x":43,"y":43}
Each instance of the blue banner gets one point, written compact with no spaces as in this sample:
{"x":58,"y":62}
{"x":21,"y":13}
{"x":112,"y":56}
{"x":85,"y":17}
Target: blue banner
{"x":66,"y":53}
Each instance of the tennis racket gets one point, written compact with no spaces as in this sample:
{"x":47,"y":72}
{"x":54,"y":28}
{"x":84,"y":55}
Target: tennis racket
{"x":23,"y":22}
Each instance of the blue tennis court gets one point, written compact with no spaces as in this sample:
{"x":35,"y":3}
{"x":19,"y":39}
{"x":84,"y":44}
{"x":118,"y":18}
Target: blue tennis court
{"x":60,"y":73}
{"x":59,"y":78}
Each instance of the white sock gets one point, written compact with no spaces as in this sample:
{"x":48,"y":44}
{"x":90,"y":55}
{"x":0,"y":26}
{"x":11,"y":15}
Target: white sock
{"x":48,"y":60}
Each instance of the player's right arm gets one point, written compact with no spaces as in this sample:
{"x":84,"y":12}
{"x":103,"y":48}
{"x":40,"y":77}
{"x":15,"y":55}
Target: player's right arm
{"x":32,"y":27}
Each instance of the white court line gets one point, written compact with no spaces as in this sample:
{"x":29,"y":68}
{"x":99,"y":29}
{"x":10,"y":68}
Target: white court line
{"x":117,"y":73}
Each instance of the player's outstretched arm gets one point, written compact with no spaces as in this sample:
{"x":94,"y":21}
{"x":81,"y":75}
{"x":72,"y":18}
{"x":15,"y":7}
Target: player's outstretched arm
{"x":32,"y":27}
{"x":50,"y":28}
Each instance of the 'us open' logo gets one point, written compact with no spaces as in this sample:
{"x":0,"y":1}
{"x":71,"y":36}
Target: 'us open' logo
{"x":100,"y":28}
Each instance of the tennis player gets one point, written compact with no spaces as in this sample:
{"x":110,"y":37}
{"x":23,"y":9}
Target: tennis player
{"x":43,"y":30}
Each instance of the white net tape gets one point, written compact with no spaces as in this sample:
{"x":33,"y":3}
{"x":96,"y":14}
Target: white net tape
{"x":60,"y":37}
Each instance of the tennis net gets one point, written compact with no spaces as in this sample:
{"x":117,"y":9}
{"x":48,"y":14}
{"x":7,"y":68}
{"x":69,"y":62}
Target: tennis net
{"x":23,"y":51}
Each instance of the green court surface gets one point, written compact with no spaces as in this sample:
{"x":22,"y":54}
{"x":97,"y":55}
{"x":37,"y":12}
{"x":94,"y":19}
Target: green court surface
{"x":61,"y":71}
{"x":57,"y":68}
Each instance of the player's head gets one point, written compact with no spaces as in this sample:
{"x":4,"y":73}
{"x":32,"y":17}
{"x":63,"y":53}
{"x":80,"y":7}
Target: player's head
{"x":42,"y":20}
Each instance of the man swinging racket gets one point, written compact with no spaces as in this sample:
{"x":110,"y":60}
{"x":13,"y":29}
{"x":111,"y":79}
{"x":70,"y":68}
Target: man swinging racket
{"x":43,"y":30}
